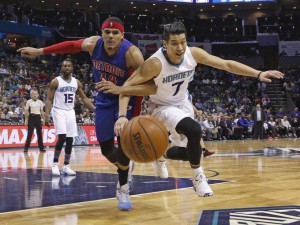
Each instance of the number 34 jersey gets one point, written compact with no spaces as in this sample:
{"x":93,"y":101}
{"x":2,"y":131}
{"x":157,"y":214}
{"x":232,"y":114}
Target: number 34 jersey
{"x":64,"y":96}
{"x":173,"y":80}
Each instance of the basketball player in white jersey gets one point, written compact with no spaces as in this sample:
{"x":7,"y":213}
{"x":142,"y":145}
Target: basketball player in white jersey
{"x":62,"y":93}
{"x":171,"y":68}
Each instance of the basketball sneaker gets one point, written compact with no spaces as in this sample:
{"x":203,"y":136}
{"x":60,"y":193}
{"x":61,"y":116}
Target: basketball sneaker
{"x":207,"y":153}
{"x":123,"y":197}
{"x":55,"y":169}
{"x":66,"y":170}
{"x":201,"y":186}
{"x":130,"y":177}
{"x":161,"y":169}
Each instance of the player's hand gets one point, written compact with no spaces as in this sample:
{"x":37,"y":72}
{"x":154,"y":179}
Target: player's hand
{"x":119,"y":125}
{"x":267,"y":75}
{"x":29,"y":52}
{"x":108,"y":87}
{"x":26,"y":122}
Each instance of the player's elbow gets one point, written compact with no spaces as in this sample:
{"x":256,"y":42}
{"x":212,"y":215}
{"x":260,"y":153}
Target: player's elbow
{"x":152,"y":90}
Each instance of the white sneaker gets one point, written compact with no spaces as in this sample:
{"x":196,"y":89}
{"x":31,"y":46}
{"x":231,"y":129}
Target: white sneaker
{"x":161,"y":169}
{"x":66,"y":170}
{"x":123,"y":197}
{"x":130,"y":177}
{"x":201,"y":186}
{"x":55,"y":169}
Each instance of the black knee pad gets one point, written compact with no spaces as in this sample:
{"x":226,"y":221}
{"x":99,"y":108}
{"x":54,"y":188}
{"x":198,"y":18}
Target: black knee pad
{"x":60,"y":142}
{"x":108,"y":146}
{"x":189,"y":127}
{"x":69,"y":145}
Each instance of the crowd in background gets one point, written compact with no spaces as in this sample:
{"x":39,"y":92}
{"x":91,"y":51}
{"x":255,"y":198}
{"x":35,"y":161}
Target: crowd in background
{"x":78,"y":22}
{"x":225,"y":100}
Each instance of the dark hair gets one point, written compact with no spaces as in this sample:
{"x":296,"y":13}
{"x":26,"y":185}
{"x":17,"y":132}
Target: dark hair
{"x":174,"y":28}
{"x":114,"y":19}
{"x":68,"y":60}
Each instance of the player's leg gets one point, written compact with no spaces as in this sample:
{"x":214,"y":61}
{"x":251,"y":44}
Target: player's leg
{"x":60,"y":125}
{"x":29,"y":132}
{"x":104,"y":122}
{"x":66,"y":170}
{"x":192,"y":130}
{"x":71,"y":133}
{"x":38,"y":128}
{"x":180,"y":153}
{"x":205,"y":152}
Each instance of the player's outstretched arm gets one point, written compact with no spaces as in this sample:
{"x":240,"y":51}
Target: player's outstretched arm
{"x":60,"y":48}
{"x":147,"y":88}
{"x":235,"y":67}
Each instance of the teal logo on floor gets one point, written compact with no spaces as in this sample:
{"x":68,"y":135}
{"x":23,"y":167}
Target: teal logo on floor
{"x":252,"y":216}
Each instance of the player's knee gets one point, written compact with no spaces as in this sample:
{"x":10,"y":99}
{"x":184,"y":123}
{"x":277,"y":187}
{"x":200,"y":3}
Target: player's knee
{"x":107,"y":147}
{"x":69,"y":145}
{"x":60,"y":142}
{"x":195,"y":129}
{"x":189,"y":127}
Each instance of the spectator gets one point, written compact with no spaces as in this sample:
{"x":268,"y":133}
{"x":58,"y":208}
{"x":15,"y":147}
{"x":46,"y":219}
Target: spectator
{"x":271,"y":128}
{"x":295,"y":113}
{"x":258,"y":116}
{"x":244,"y":123}
{"x":286,"y":126}
{"x":295,"y":127}
{"x":280,"y":114}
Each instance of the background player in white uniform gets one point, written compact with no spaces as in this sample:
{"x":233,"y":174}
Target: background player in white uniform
{"x":171,"y":67}
{"x":62,"y":93}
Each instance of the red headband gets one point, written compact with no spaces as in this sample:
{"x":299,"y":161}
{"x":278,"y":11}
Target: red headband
{"x":112,"y":24}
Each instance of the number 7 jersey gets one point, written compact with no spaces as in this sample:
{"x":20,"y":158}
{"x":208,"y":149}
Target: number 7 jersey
{"x":173,"y":80}
{"x":64,"y":96}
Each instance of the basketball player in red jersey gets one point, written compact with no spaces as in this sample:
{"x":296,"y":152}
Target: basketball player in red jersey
{"x":113,"y":58}
{"x":171,"y":68}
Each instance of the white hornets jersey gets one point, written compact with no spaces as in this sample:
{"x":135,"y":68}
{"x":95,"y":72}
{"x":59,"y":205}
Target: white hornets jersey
{"x":64,"y":96}
{"x":173,"y":80}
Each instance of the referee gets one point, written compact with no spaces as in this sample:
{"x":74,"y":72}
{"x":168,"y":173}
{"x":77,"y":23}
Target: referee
{"x":34,"y":115}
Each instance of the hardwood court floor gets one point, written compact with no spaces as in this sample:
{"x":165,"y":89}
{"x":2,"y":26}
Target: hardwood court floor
{"x":245,"y":174}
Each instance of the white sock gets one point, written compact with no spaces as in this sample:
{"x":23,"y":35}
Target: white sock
{"x":197,"y":171}
{"x":162,"y":159}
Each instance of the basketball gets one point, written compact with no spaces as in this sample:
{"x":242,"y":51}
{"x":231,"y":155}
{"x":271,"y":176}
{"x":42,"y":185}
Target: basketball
{"x":144,"y":139}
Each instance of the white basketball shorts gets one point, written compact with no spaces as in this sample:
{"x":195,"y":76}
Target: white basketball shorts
{"x":171,"y":116}
{"x":64,"y":122}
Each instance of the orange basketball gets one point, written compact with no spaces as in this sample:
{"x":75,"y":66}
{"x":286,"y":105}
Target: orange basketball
{"x":144,"y":139}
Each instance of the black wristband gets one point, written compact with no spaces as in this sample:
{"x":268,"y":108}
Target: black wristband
{"x":122,"y":116}
{"x":259,"y":75}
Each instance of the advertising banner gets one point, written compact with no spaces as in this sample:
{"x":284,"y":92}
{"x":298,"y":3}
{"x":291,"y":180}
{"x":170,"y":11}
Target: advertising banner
{"x":17,"y":28}
{"x":15,"y":136}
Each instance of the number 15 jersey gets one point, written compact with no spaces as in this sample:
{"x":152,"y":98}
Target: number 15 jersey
{"x":173,"y":80}
{"x":64,"y":96}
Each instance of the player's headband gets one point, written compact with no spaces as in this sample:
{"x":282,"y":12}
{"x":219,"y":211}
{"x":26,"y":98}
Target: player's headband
{"x":112,"y":24}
